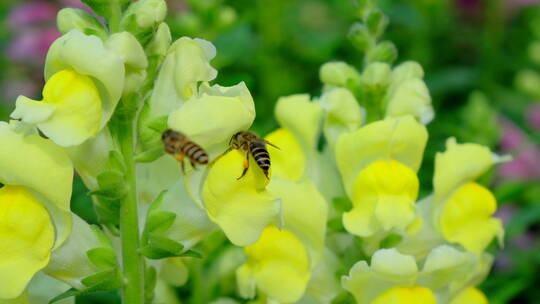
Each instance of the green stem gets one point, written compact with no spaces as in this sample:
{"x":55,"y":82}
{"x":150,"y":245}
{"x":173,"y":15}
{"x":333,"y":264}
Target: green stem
{"x":114,"y":18}
{"x":133,"y":262}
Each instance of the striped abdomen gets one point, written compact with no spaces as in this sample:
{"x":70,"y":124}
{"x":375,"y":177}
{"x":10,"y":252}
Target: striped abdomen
{"x":260,"y":155}
{"x":194,"y":152}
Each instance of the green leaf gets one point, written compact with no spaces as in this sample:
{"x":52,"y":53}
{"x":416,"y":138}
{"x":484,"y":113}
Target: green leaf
{"x":159,"y":247}
{"x":159,"y":221}
{"x":111,"y":276}
{"x":111,"y":185}
{"x":102,"y":281}
{"x":102,"y":258}
{"x":150,"y":155}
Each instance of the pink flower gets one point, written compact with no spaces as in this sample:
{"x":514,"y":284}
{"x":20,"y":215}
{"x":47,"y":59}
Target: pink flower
{"x":75,"y":4}
{"x":31,"y":46}
{"x":32,"y":13}
{"x":533,"y":116}
{"x":512,"y":137}
{"x":524,"y":166}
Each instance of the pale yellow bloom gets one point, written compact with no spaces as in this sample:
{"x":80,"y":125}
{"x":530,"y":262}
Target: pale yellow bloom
{"x":463,"y":209}
{"x":84,"y":83}
{"x":378,"y":165}
{"x":213,"y":116}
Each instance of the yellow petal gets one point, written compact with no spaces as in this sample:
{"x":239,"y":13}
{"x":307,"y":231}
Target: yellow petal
{"x":407,"y":295}
{"x":36,"y":163}
{"x":466,"y":218}
{"x":212,"y":118}
{"x":459,"y":164}
{"x":471,"y":295}
{"x":75,"y":104}
{"x":444,"y":265}
{"x":338,"y":73}
{"x":305,"y":126}
{"x":278,"y":265}
{"x":383,"y":198}
{"x":26,"y":238}
{"x":87,"y":55}
{"x":402,"y":139}
{"x":288,"y":161}
{"x":304,"y":213}
{"x":241,"y":207}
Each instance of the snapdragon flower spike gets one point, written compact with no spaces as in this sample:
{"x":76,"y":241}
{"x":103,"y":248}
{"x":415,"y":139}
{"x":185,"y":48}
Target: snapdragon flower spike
{"x":378,"y":165}
{"x":461,"y":203}
{"x":35,"y":218}
{"x":84,"y":83}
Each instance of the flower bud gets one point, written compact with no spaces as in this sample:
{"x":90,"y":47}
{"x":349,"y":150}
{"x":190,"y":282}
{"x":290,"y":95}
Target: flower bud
{"x":142,"y":16}
{"x":338,"y":73}
{"x":161,"y":41}
{"x":376,"y":76}
{"x":360,"y":36}
{"x":73,"y":18}
{"x":528,"y":81}
{"x":135,"y":62}
{"x":376,"y":22}
{"x":385,"y":51}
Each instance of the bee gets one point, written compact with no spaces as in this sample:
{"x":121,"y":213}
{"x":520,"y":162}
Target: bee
{"x":252,"y":144}
{"x":178,"y":145}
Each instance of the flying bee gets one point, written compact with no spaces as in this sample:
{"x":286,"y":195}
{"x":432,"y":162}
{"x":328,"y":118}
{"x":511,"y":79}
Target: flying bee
{"x":178,"y":145}
{"x":252,"y":144}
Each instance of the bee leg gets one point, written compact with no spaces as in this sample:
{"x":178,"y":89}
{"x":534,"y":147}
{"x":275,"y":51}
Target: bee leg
{"x":192,"y":163}
{"x":246,"y":166}
{"x":180,"y":159}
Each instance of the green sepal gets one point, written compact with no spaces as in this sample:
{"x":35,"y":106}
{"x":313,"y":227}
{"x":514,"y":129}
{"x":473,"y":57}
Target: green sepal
{"x":108,"y":212}
{"x":101,"y":281}
{"x":102,"y":258}
{"x":150,"y":155}
{"x":111,"y":185}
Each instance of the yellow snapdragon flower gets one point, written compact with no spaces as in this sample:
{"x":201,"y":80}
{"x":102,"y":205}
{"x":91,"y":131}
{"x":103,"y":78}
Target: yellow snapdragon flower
{"x":84,"y":82}
{"x":378,"y":165}
{"x":34,"y":217}
{"x":463,"y":209}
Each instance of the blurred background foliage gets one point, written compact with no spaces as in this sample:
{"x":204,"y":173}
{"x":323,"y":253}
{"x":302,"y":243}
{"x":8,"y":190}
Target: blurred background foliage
{"x":482,"y":65}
